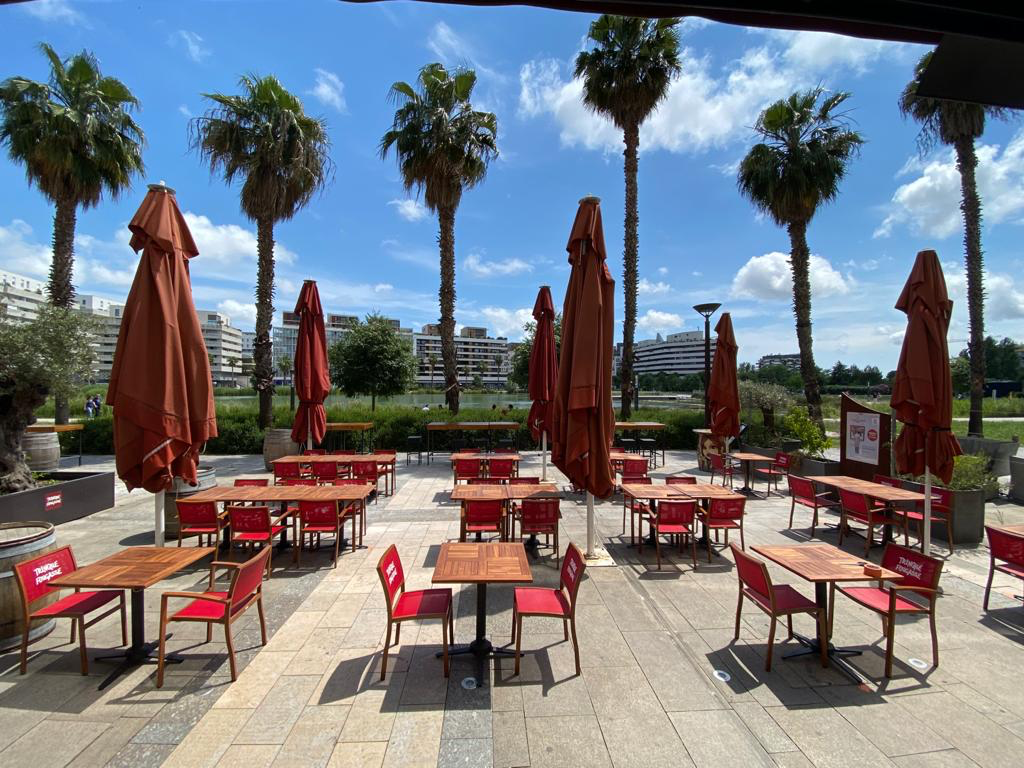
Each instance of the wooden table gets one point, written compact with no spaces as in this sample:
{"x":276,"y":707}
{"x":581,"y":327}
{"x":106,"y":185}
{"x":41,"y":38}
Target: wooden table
{"x":823,"y":564}
{"x":747,"y":459}
{"x":707,"y":491}
{"x":390,"y":460}
{"x":60,"y":429}
{"x":650,"y":492}
{"x":885,"y":493}
{"x":135,"y":569}
{"x":1016,"y":530}
{"x":344,"y":427}
{"x":645,"y":426}
{"x":467,"y":426}
{"x":482,"y":564}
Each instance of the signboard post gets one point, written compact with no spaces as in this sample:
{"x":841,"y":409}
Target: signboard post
{"x":865,"y":437}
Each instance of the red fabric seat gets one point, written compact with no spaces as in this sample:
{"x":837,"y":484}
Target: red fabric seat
{"x":259,"y":535}
{"x":539,"y":601}
{"x":1005,"y":553}
{"x":199,"y":529}
{"x":878,"y":600}
{"x":787,"y":600}
{"x":78,"y":603}
{"x":422,"y":604}
{"x":203,"y":609}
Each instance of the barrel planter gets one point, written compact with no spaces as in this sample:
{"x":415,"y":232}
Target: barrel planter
{"x":1017,"y":478}
{"x":998,"y":451}
{"x":206,"y":477}
{"x":42,"y":451}
{"x":968,"y":515}
{"x":277,"y":443}
{"x":74,"y":494}
{"x":20,"y":542}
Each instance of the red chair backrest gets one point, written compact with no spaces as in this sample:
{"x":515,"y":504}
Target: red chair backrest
{"x":483,"y":480}
{"x":314,"y":452}
{"x":325,"y":470}
{"x":500,"y":467}
{"x":539,"y":513}
{"x":34,"y":575}
{"x":299,"y":481}
{"x":468,"y":468}
{"x":249,"y":519}
{"x":636,"y":480}
{"x":248,"y":579}
{"x":855,"y":504}
{"x":634,"y":467}
{"x":941,"y":497}
{"x":365,"y":469}
{"x":802,"y":489}
{"x":918,"y":570}
{"x":524,"y":481}
{"x":197,"y":512}
{"x":1006,"y":546}
{"x":717,"y":462}
{"x":676,"y":512}
{"x":252,"y":482}
{"x":392,"y":577}
{"x":681,"y":480}
{"x":286,"y":469}
{"x":573,"y":566}
{"x":343,"y":452}
{"x":483,"y":512}
{"x":318,"y":512}
{"x":349,"y":481}
{"x":891,"y":482}
{"x":781,"y":461}
{"x":726,"y":509}
{"x":752,"y":573}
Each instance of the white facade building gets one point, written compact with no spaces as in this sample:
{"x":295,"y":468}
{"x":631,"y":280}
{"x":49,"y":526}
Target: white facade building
{"x":20,"y":296}
{"x":476,"y":354}
{"x":680,"y":353}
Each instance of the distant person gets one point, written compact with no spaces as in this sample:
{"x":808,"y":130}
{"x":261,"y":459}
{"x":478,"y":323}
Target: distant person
{"x":88,"y":407}
{"x":97,"y":406}
{"x":426,"y":407}
{"x":494,"y":406}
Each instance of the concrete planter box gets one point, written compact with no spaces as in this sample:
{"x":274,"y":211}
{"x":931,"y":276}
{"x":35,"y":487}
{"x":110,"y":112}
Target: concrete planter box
{"x":1017,"y":478}
{"x":968,"y":515}
{"x":999,"y":451}
{"x":786,"y":446}
{"x":807,"y":466}
{"x":79,"y":494}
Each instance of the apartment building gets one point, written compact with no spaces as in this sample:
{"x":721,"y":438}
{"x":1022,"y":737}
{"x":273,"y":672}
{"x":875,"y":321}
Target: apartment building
{"x":680,"y":353}
{"x":476,"y":353}
{"x":20,"y":296}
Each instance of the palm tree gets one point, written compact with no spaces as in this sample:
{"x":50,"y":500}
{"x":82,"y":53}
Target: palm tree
{"x":284,"y":367}
{"x":431,"y":364}
{"x":803,"y":155}
{"x":958,"y":124}
{"x":443,"y":147}
{"x":265,"y":140}
{"x":625,"y":76}
{"x":77,"y":140}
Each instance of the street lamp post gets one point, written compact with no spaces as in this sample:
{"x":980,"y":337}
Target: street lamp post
{"x":707,"y":310}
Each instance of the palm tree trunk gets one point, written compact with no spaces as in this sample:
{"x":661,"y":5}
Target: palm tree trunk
{"x":800,"y":259}
{"x":970,"y":206}
{"x":446,"y":294}
{"x":62,"y":293}
{"x":630,"y":249}
{"x":263,"y":369}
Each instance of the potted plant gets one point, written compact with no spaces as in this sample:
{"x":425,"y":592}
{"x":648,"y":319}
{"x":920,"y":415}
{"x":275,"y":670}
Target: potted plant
{"x":810,"y":458}
{"x":769,"y":399}
{"x":45,"y":356}
{"x":997,"y":451}
{"x":972,"y":484}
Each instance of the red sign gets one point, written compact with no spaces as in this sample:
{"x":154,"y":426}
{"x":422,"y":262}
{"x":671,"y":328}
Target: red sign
{"x":872,"y":435}
{"x":54,"y":500}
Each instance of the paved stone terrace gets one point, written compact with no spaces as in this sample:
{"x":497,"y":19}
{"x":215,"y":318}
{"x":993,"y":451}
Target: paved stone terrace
{"x":653,"y":647}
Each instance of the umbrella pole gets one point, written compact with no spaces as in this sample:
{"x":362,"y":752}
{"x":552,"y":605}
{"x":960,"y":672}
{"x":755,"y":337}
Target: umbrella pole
{"x":926,"y":541}
{"x":544,"y":455}
{"x":590,"y":524}
{"x":158,"y":518}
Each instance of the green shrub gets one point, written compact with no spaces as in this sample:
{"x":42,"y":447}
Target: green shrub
{"x":971,"y":472}
{"x":800,"y":426}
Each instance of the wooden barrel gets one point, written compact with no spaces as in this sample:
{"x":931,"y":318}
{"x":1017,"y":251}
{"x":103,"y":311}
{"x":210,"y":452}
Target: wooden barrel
{"x":206,"y":477}
{"x":42,"y":451}
{"x":277,"y":443}
{"x":20,"y":542}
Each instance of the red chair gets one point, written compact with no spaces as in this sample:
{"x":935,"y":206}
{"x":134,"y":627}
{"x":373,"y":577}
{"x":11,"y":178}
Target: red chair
{"x":413,"y":605}
{"x":634,"y":507}
{"x":251,"y":482}
{"x":198,"y":518}
{"x":314,"y":452}
{"x":387,"y":470}
{"x":251,"y":526}
{"x":723,"y":468}
{"x":541,"y":516}
{"x":514,"y":505}
{"x":483,"y":481}
{"x":856,"y":506}
{"x":299,"y":481}
{"x":33,"y":577}
{"x":501,"y":469}
{"x":680,"y":480}
{"x":215,"y":607}
{"x":358,"y":508}
{"x":778,"y":469}
{"x":286,"y":469}
{"x":366,"y":471}
{"x":1007,"y":548}
{"x":919,"y":576}
{"x":942,"y":513}
{"x":776,"y":601}
{"x":325,"y":472}
{"x":634,"y":468}
{"x":802,"y":491}
{"x":557,"y":603}
{"x":317,"y":518}
{"x":517,"y":480}
{"x":467,"y":468}
{"x":482,"y":517}
{"x":723,"y":515}
{"x":673,"y":518}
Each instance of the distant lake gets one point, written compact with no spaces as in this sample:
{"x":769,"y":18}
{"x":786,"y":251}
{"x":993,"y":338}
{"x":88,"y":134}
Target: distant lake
{"x":468,"y":400}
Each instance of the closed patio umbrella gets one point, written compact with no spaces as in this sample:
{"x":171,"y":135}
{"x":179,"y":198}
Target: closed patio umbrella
{"x":582,"y":419}
{"x":723,"y":391}
{"x":311,"y":374}
{"x":543,"y":372}
{"x":922,"y":390}
{"x":160,"y":385}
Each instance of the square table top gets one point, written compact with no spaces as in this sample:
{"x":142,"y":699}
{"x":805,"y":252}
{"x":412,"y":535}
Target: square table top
{"x":133,"y":568}
{"x":820,"y":562}
{"x":339,"y":458}
{"x":76,"y":427}
{"x":484,"y":456}
{"x":651,"y":491}
{"x":277,"y":493}
{"x":471,"y":562}
{"x":519,"y":491}
{"x":748,"y":456}
{"x":868,"y":488}
{"x":478,"y":492}
{"x":708,"y":491}
{"x":349,"y":426}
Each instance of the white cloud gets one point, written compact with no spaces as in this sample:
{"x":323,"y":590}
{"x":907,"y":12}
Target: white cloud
{"x":227,"y":246}
{"x":655,"y":321}
{"x":770,"y":278}
{"x":242,"y":314}
{"x":476,"y":265}
{"x":454,"y":50}
{"x":646,"y":287}
{"x":21,"y":254}
{"x":409,"y":209}
{"x":184,"y":110}
{"x":193,"y":45}
{"x":697,"y":274}
{"x":930,"y":203}
{"x":662,"y":271}
{"x":706,"y":106}
{"x":54,"y":10}
{"x":421,"y":257}
{"x":867,"y":265}
{"x":507,"y":322}
{"x":329,"y":90}
{"x":383,"y":288}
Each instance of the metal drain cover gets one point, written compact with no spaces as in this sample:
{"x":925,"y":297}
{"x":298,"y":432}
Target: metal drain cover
{"x":469,"y":683}
{"x":721,"y":674}
{"x":918,"y":663}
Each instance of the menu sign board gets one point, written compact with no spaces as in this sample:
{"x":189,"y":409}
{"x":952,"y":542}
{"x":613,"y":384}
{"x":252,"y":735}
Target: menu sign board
{"x":862,"y":437}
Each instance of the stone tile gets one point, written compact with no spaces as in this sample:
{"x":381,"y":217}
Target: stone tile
{"x":465,"y":753}
{"x":52,"y":743}
{"x":764,"y":727}
{"x":642,"y":739}
{"x":249,"y":756}
{"x":673,"y":672}
{"x":207,"y":742}
{"x":949,"y":758}
{"x":293,"y":635}
{"x":255,"y":681}
{"x":108,"y":743}
{"x":732,"y":744}
{"x":312,"y":738}
{"x":143,"y":756}
{"x":415,"y":739}
{"x":566,"y":742}
{"x":279,"y":710}
{"x":792,"y":760}
{"x":510,"y":746}
{"x":358,"y":754}
{"x":826,"y":738}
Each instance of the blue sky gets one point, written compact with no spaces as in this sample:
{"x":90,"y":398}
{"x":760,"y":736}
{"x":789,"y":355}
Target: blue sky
{"x":371,"y":248}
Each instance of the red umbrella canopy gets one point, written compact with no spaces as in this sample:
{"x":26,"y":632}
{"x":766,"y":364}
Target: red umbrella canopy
{"x":543,"y":364}
{"x":160,"y":385}
{"x":582,"y":420}
{"x":311,"y":374}
{"x":723,"y":391}
{"x":922,"y":390}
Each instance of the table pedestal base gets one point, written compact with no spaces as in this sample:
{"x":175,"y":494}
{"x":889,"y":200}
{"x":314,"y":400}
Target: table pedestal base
{"x":133,"y":657}
{"x":836,"y":656}
{"x":481,"y":647}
